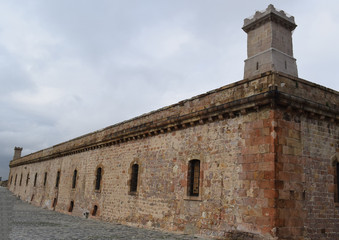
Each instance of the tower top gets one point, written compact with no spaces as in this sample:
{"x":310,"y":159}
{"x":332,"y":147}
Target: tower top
{"x":269,"y":43}
{"x":269,"y":14}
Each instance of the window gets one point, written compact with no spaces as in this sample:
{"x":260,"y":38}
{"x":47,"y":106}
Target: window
{"x":74,"y":182}
{"x":98,"y":179}
{"x":54,"y":203}
{"x":95,"y":209}
{"x":45,"y":179}
{"x":71,"y":205}
{"x":11,"y":179}
{"x":35,"y":178}
{"x":336,"y":197}
{"x":20,"y":180}
{"x":193,"y":178}
{"x":27,"y":179}
{"x":134,"y":178}
{"x":16,"y":176}
{"x":57,"y":179}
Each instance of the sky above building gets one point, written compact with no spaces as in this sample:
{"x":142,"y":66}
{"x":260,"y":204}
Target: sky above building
{"x":68,"y":68}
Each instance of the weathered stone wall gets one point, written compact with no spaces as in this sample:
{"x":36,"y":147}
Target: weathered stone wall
{"x":264,"y":144}
{"x":161,"y":200}
{"x":305,"y":176}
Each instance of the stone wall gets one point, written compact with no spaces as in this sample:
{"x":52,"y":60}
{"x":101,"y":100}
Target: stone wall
{"x":264,"y":146}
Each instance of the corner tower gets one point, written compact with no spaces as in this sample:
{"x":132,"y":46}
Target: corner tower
{"x":269,"y":43}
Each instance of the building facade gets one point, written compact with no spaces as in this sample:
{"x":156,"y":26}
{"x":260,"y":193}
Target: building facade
{"x":257,"y":159}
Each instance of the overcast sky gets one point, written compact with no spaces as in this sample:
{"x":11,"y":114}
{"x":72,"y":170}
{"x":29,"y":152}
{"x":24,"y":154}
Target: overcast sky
{"x":70,"y":67}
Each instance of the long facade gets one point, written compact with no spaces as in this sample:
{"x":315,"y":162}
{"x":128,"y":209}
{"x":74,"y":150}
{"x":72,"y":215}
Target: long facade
{"x":257,"y":159}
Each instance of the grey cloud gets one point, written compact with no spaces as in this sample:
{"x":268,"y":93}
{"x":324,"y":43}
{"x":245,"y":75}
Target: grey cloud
{"x":79,"y":66}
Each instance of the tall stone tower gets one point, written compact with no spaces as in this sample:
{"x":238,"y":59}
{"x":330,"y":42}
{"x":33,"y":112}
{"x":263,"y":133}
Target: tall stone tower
{"x":269,"y":43}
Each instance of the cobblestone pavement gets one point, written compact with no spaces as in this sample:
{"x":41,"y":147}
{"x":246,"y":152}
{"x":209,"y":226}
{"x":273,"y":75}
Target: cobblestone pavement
{"x":20,"y":220}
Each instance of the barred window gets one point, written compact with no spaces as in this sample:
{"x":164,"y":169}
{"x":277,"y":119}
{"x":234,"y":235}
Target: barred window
{"x":134,"y":178}
{"x":193,"y":178}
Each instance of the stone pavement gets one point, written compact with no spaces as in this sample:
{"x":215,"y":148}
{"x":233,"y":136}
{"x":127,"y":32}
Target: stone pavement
{"x":20,"y":220}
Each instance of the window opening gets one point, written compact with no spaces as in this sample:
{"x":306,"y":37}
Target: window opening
{"x":57,"y":179}
{"x":74,"y":178}
{"x":11,"y":179}
{"x":257,"y":67}
{"x":95,"y":209}
{"x":35,"y":178}
{"x":45,"y":179}
{"x":54,"y":203}
{"x":71,"y":205}
{"x":134,"y":178}
{"x":27,"y":179}
{"x":20,"y":180}
{"x":193,"y":177}
{"x":98,"y":179}
{"x":337,"y":182}
{"x":16,"y":176}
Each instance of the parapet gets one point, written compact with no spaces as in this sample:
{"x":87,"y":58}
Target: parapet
{"x":269,"y":14}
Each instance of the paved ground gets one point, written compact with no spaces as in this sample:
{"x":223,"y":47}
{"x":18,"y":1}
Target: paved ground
{"x":20,"y":220}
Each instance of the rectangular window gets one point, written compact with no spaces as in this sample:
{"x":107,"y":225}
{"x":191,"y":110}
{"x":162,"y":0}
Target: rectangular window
{"x":134,"y":178}
{"x":45,"y":179}
{"x":20,"y":180}
{"x":193,"y":176}
{"x":71,"y":206}
{"x":27,"y":179}
{"x":74,"y":182}
{"x":57,"y":179}
{"x":98,"y":179}
{"x":35,"y":178}
{"x":337,"y":183}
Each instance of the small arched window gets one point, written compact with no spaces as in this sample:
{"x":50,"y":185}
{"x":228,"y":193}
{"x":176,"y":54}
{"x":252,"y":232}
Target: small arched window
{"x":193,"y":178}
{"x":35,"y":178}
{"x":134,"y":178}
{"x":98,"y":178}
{"x":74,"y":182}
{"x":57,"y":179}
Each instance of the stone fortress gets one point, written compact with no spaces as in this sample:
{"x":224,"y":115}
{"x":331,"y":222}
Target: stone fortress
{"x":256,"y":159}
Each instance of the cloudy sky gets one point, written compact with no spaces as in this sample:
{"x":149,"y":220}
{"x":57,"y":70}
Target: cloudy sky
{"x":70,"y":67}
